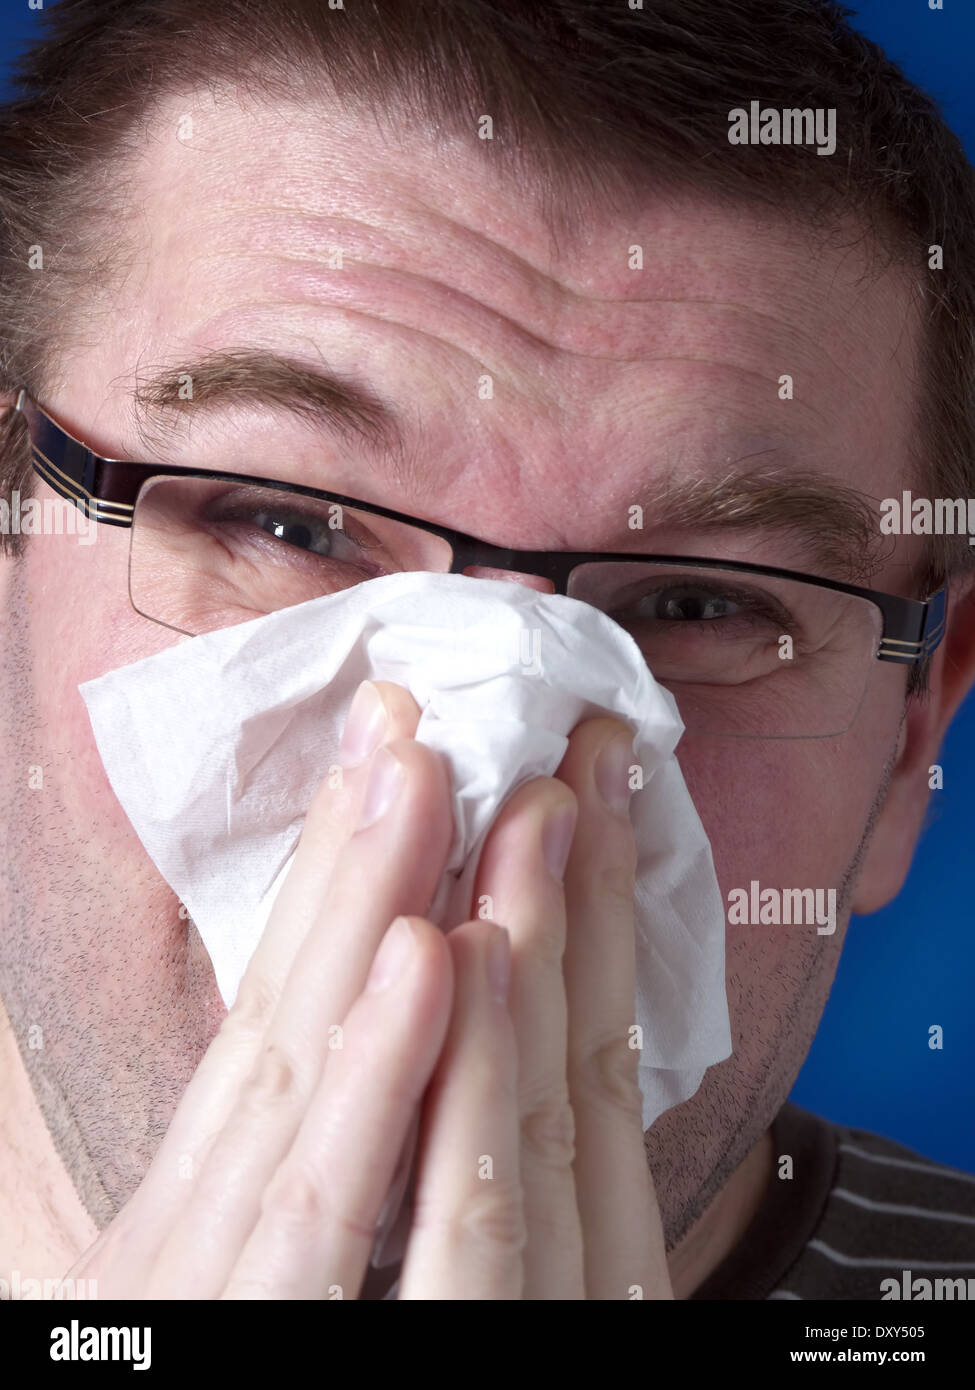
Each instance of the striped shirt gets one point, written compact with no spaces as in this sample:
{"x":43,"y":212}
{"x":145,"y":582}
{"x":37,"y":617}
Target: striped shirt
{"x":859,"y":1210}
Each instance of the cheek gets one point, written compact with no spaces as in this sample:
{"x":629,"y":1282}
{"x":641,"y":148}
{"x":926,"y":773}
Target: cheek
{"x":788,"y":813}
{"x":102,"y":944}
{"x":81,"y":625}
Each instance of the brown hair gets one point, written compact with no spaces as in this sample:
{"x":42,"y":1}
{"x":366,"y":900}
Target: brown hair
{"x":589,"y":98}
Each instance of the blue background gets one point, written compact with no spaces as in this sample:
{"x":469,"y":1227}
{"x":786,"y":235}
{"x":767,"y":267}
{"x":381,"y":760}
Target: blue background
{"x":911,"y":965}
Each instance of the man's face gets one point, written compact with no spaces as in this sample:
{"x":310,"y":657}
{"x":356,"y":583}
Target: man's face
{"x":606,"y":380}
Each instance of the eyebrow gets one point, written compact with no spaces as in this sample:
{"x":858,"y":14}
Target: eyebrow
{"x":837,"y":525}
{"x":269,"y":380}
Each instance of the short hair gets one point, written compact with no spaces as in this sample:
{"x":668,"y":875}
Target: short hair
{"x":590,"y":100}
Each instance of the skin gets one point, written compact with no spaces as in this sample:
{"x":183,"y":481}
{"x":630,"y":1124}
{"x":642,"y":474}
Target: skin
{"x":603,"y":380}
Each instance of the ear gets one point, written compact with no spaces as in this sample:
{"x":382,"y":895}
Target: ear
{"x":952,"y":675}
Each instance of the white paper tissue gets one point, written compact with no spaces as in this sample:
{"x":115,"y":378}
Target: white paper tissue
{"x":216,"y":746}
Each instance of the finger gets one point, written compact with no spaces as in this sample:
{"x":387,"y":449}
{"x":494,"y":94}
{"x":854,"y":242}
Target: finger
{"x":319,"y":1213}
{"x":380,"y":713}
{"x":468,"y":1230}
{"x":621,"y":1228}
{"x":520,"y":874}
{"x":390,"y":866}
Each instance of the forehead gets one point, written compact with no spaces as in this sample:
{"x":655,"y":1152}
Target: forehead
{"x":219,"y":183}
{"x":655,"y":338}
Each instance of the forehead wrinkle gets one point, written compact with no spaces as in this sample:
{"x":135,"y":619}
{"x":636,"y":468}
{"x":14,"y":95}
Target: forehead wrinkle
{"x":572,"y":301}
{"x":425,"y":283}
{"x":750,"y":311}
{"x":397,"y":235}
{"x":389,"y":221}
{"x":554,"y":298}
{"x":230,"y":316}
{"x":502,"y":368}
{"x":579,"y":246}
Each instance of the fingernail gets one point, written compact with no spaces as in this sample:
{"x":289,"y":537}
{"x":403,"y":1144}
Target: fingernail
{"x":557,"y":839}
{"x":498,"y":965}
{"x":394,"y":951}
{"x":385,"y":780}
{"x":365,"y":725}
{"x":612,"y":772}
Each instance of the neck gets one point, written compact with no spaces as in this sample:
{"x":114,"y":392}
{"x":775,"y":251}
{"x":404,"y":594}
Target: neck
{"x":724,"y":1223}
{"x":43,"y":1225}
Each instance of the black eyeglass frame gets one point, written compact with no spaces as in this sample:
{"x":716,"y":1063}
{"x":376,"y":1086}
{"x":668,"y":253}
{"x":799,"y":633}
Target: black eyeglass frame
{"x":108,"y":489}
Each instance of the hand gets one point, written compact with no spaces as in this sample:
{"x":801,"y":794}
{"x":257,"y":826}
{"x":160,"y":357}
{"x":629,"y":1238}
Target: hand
{"x":276,"y":1163}
{"x":272,"y":1175}
{"x":532,"y":1177}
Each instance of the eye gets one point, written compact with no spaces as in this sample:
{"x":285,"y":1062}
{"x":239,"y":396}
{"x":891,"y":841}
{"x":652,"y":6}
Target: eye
{"x":685,"y":603}
{"x":305,"y":532}
{"x":326,"y":532}
{"x":686,"y":608}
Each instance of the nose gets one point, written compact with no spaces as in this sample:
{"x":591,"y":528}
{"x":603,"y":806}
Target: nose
{"x":529,"y":581}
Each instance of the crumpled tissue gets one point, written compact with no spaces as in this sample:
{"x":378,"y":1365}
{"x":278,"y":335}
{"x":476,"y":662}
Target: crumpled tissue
{"x":216,"y":746}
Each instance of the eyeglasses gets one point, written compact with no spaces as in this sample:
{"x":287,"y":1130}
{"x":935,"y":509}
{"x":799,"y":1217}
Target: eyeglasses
{"x":748,"y":651}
